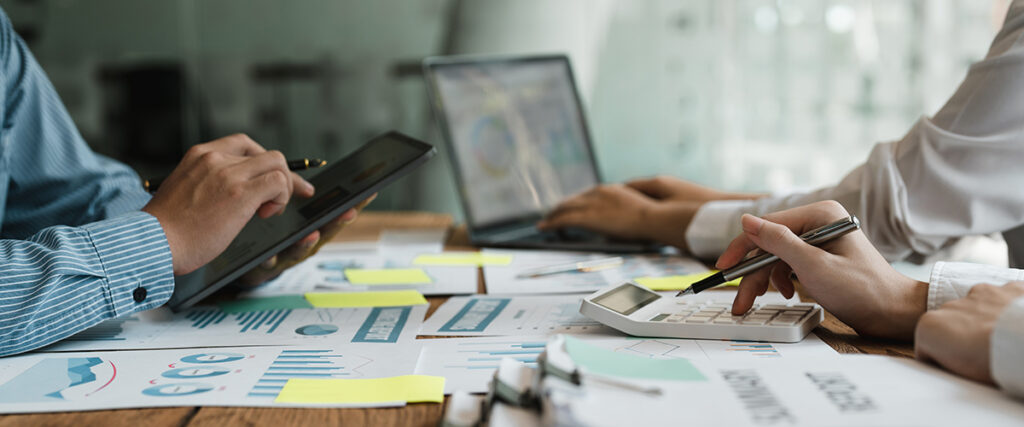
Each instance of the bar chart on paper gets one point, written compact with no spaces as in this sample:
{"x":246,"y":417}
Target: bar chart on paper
{"x":519,"y":315}
{"x":235,"y":376}
{"x":109,"y":330}
{"x":468,"y":364}
{"x":213,"y":327}
{"x":754,"y":349}
{"x":305,"y":364}
{"x":265,"y":321}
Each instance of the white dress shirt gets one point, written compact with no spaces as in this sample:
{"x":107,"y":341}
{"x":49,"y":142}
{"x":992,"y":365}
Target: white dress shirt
{"x":952,"y":280}
{"x":955,"y":174}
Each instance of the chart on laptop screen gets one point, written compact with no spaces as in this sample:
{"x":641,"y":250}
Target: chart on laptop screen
{"x":518,"y":134}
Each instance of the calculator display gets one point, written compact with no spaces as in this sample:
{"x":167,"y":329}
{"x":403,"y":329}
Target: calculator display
{"x":626,"y":299}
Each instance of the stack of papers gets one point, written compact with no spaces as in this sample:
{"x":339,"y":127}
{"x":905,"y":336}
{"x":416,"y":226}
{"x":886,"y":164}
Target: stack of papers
{"x":578,"y":383}
{"x":340,"y":330}
{"x":507,"y":280}
{"x":235,"y":376}
{"x":351,"y":267}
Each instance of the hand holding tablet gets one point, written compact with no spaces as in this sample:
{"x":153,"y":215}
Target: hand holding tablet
{"x":341,"y":186}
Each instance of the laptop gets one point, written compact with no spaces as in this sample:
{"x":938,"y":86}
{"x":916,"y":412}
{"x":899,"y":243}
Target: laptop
{"x":519,"y":145}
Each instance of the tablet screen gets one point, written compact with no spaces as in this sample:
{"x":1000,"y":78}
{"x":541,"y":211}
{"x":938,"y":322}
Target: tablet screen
{"x":341,"y":186}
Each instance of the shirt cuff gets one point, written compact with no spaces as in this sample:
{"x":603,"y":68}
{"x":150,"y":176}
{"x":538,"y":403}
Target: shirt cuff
{"x":1007,"y":347}
{"x":714,"y":225}
{"x":136,"y":261}
{"x":952,"y":280}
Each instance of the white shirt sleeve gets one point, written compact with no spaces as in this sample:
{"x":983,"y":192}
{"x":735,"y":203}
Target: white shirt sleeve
{"x":952,"y":175}
{"x":952,"y":280}
{"x":1007,"y":362}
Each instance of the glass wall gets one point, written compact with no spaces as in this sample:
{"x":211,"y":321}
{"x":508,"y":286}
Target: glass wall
{"x":760,"y":95}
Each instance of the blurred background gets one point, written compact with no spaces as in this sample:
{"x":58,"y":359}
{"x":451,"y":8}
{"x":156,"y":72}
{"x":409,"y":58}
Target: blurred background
{"x":755,"y":95}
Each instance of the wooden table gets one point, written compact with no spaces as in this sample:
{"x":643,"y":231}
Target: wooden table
{"x":367,"y":227}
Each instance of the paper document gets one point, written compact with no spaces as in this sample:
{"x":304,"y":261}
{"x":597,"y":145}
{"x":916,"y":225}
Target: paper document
{"x":387,"y":276}
{"x":213,"y":327}
{"x":237,"y":376}
{"x":502,"y":279}
{"x":468,"y":364}
{"x":840,"y":391}
{"x":333,"y":267}
{"x":484,"y":315}
{"x":413,"y":239}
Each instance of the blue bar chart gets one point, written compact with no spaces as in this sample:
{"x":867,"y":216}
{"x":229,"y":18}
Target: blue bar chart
{"x":300,"y":364}
{"x":264,"y":321}
{"x":110,"y":330}
{"x":756,"y":349}
{"x":469,"y":363}
{"x":488,"y":355}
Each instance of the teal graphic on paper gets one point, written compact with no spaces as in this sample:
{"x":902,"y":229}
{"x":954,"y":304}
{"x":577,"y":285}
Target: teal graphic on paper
{"x":58,"y":379}
{"x":265,"y":303}
{"x":607,"y":362}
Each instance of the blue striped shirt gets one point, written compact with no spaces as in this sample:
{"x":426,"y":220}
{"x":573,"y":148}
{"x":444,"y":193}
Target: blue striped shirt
{"x":74,"y":246}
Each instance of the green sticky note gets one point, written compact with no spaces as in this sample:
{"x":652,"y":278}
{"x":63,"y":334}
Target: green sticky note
{"x":405,"y":388}
{"x":365,"y":299}
{"x":462,"y":259}
{"x":678,"y":283}
{"x":265,"y":303}
{"x":607,"y":362}
{"x":387,"y":276}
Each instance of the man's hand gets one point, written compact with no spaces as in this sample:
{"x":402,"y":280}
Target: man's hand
{"x":621,"y":211}
{"x":658,"y":209}
{"x":301,"y":250}
{"x":958,"y":336}
{"x":215,"y":191}
{"x":847,"y":276}
{"x":663,"y":187}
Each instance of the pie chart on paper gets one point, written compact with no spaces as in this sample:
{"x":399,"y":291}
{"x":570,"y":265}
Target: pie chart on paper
{"x":316,"y":330}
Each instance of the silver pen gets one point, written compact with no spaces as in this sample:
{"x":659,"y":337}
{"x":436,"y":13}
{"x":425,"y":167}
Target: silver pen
{"x":581,"y":266}
{"x":816,"y":237}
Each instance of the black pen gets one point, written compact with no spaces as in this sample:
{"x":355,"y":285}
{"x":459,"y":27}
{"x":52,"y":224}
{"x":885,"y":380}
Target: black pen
{"x":151,"y":185}
{"x":816,"y":237}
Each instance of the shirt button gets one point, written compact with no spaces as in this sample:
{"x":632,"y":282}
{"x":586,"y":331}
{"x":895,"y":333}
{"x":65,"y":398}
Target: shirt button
{"x":139,"y":294}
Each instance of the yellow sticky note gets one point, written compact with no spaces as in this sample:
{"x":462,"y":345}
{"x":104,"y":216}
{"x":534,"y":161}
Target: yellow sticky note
{"x":678,"y":283}
{"x":387,"y":276}
{"x":462,"y":258}
{"x":405,"y":388}
{"x":365,"y":299}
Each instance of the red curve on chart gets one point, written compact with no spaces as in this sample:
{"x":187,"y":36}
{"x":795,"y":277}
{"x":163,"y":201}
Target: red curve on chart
{"x":108,"y":382}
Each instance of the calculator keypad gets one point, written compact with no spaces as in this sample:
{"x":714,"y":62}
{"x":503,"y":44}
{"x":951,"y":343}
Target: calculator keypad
{"x":717,"y":313}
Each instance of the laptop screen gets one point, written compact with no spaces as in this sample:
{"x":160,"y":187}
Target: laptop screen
{"x":517,"y":135}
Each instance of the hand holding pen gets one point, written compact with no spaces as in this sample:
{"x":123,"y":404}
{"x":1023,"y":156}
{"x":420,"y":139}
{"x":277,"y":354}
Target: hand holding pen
{"x":848,"y":277}
{"x":817,"y":237}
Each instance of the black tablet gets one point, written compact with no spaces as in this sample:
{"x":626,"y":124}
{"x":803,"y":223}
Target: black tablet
{"x":341,"y":186}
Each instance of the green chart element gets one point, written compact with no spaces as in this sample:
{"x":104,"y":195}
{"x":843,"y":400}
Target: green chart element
{"x":266,"y":303}
{"x":607,"y":362}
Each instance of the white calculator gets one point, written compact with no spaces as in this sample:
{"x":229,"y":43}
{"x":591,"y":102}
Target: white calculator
{"x":638,"y":311}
